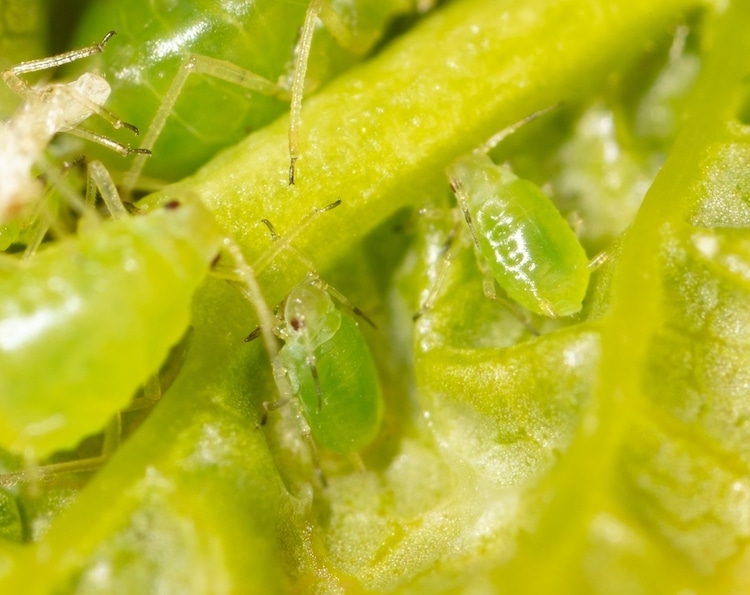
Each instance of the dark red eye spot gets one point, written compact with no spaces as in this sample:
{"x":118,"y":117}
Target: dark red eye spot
{"x":172,"y":205}
{"x":296,"y":323}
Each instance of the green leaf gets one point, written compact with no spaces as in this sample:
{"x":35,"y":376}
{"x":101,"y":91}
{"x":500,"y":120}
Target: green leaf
{"x":605,"y":455}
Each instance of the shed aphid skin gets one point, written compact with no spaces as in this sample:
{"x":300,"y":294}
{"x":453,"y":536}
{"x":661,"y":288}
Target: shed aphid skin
{"x":326,"y":362}
{"x":522,"y":241}
{"x":47,"y":110}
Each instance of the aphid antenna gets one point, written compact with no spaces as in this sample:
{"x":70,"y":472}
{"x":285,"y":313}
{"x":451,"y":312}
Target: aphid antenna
{"x":281,"y":243}
{"x":446,"y":253}
{"x":314,"y":279}
{"x":17,"y":84}
{"x":248,"y":285}
{"x":498,"y":137}
{"x":284,"y":243}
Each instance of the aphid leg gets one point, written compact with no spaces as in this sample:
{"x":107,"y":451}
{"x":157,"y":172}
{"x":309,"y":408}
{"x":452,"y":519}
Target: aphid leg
{"x":280,"y":380}
{"x":446,"y":254}
{"x":35,"y":474}
{"x":312,"y":363}
{"x":22,"y":88}
{"x":269,"y":406}
{"x":302,"y":55}
{"x":314,"y":279}
{"x":41,"y":219}
{"x":248,"y":285}
{"x":463,"y":203}
{"x":356,"y":461}
{"x":152,"y":393}
{"x":306,"y":433}
{"x":598,"y":260}
{"x":219,"y":69}
{"x":488,"y":285}
{"x":281,"y":243}
{"x":98,"y":177}
{"x":498,"y":137}
{"x":111,"y":144}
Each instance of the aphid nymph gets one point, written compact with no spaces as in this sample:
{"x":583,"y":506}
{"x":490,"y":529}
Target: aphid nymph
{"x":325,"y":361}
{"x":522,"y":241}
{"x":330,"y":369}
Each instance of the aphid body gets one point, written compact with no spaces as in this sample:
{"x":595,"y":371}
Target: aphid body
{"x":521,"y":237}
{"x":330,"y":369}
{"x":86,"y":321}
{"x":256,"y":46}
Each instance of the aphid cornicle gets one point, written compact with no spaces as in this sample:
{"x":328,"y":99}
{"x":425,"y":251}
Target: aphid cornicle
{"x":330,"y":369}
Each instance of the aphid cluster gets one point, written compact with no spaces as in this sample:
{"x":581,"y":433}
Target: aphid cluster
{"x":147,"y":267}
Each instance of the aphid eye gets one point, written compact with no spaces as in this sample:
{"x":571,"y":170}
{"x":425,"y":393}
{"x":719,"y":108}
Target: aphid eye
{"x":296,"y":323}
{"x":172,"y":205}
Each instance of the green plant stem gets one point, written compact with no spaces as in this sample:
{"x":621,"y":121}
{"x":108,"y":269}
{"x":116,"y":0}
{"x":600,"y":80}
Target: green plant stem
{"x":379,"y":138}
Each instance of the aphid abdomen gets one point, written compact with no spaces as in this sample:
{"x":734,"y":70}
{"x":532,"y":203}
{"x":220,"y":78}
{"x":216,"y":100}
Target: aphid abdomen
{"x":352,"y":404}
{"x":87,"y":321}
{"x":531,"y":250}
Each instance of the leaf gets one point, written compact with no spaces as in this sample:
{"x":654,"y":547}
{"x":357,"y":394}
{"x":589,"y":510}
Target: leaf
{"x":442,"y":499}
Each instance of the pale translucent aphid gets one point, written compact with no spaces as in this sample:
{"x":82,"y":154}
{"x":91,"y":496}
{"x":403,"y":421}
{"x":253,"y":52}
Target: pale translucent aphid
{"x":47,"y":110}
{"x":327,"y":363}
{"x":232,"y":73}
{"x":123,"y":286}
{"x":330,"y":368}
{"x":521,"y":239}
